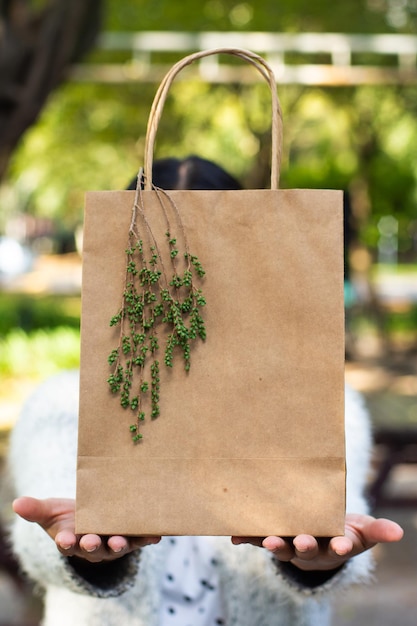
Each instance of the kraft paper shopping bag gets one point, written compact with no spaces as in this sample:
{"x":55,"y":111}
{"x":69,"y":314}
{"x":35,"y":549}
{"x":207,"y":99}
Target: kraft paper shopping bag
{"x":212,"y":356}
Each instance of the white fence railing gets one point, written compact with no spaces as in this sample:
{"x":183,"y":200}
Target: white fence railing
{"x":305,"y":58}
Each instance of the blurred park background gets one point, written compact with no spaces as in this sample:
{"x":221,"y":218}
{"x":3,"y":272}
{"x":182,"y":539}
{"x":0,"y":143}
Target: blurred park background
{"x":77,"y":79}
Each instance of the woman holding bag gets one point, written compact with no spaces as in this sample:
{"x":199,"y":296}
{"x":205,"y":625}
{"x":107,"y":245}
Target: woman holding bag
{"x":93,"y":580}
{"x":189,"y":581}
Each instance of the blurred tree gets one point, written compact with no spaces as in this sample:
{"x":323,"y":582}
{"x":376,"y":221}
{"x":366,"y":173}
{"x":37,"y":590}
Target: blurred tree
{"x":38,"y":42}
{"x":90,"y":136}
{"x":253,"y":15}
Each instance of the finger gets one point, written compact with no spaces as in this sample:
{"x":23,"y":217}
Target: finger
{"x":52,"y":513}
{"x":306,"y":547}
{"x":384,"y":531}
{"x":282,"y":549}
{"x":66,"y":542}
{"x":340,"y":546}
{"x":92,"y":548}
{"x":118,"y":544}
{"x":30,"y":509}
{"x":370,"y":531}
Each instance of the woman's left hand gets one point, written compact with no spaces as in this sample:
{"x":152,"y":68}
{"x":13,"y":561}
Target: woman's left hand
{"x":308,"y":553}
{"x":56,"y":516}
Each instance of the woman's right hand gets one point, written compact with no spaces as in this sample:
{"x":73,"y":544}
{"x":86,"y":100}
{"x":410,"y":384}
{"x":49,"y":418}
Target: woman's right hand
{"x":57,"y":518}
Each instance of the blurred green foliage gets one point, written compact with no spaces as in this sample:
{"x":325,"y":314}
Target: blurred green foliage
{"x":256,"y":15}
{"x":39,"y":335}
{"x":30,"y":313}
{"x":40,"y":353}
{"x":403,"y":323}
{"x":91,"y":136}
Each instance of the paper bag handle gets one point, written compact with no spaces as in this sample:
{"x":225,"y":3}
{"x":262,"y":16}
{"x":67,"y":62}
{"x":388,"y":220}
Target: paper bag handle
{"x":159,"y":100}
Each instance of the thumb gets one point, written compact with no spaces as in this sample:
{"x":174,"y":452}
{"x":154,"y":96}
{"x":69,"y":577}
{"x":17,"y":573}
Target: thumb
{"x":30,"y":509}
{"x":46,"y":513}
{"x":384,"y":531}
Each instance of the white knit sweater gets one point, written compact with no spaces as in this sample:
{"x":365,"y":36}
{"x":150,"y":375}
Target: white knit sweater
{"x":256,"y":590}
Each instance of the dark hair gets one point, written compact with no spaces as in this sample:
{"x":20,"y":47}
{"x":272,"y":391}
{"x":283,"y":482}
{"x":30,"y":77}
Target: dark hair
{"x":193,"y":172}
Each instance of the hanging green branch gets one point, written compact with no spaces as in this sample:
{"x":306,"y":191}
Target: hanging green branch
{"x":152,"y":300}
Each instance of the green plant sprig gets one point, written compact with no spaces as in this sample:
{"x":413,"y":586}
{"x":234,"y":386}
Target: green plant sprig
{"x":150,"y":301}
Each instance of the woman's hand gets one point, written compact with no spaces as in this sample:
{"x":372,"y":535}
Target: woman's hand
{"x":362,"y":532}
{"x":308,"y":553}
{"x":57,"y":518}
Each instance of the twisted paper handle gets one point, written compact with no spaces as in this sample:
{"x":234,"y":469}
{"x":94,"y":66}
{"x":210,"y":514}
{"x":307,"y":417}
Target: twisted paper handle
{"x":159,"y":101}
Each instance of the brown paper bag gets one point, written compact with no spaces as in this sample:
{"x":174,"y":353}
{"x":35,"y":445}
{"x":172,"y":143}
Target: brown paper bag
{"x":250,"y":440}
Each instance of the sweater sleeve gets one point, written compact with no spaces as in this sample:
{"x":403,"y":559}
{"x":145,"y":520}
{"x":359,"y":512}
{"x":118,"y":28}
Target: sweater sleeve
{"x":42,"y":464}
{"x":358,"y":450}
